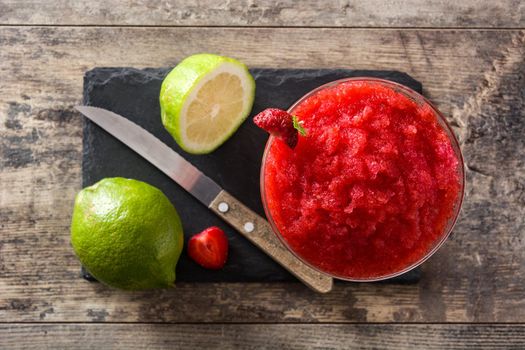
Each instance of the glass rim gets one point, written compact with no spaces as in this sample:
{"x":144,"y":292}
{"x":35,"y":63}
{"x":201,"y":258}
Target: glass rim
{"x":419,"y":99}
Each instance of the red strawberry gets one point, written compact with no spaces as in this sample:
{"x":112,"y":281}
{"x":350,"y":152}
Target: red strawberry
{"x":279,"y":123}
{"x":209,"y":248}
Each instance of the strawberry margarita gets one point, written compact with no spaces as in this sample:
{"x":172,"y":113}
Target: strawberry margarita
{"x":372,"y":189}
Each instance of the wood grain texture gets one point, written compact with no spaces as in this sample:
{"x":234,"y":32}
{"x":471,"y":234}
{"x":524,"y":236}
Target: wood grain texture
{"x":287,"y":13}
{"x":475,"y":77}
{"x":256,"y":336}
{"x":238,"y":215}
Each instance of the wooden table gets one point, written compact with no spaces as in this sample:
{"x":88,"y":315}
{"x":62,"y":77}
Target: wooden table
{"x":470,"y":57}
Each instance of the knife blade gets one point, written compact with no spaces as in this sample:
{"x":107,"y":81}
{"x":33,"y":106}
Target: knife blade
{"x":156,"y":152}
{"x":208,"y":192}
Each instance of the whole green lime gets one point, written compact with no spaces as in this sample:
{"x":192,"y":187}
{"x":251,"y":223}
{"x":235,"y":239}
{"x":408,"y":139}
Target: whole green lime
{"x":127,"y":234}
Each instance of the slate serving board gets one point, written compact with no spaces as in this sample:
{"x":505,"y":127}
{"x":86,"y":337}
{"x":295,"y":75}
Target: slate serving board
{"x":235,"y":166}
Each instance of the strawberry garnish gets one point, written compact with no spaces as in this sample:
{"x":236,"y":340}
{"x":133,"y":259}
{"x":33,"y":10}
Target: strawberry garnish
{"x":209,"y":248}
{"x":281,"y":124}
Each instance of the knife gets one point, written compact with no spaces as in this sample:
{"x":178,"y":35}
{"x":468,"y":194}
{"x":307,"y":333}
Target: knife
{"x":208,"y":192}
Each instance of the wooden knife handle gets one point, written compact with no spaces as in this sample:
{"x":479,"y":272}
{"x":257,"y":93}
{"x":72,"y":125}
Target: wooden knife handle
{"x":259,"y":232}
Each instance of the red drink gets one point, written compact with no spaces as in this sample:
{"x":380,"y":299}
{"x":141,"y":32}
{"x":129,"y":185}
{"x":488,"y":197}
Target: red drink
{"x":374,"y":187}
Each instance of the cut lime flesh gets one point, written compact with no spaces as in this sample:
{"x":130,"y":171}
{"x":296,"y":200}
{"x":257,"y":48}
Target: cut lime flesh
{"x":204,"y":100}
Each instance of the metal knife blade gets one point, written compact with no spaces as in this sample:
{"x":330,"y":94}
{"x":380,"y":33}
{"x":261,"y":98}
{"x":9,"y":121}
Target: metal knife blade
{"x":156,"y":152}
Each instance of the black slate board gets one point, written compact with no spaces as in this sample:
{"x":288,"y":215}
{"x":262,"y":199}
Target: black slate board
{"x":235,"y":166}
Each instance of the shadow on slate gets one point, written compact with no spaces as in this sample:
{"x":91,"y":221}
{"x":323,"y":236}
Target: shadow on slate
{"x":235,"y":166}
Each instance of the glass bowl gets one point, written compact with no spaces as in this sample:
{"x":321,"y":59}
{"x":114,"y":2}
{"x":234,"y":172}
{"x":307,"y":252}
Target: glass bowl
{"x":420,"y":100}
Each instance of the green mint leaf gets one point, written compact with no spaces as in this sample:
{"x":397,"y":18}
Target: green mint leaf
{"x":297,"y":124}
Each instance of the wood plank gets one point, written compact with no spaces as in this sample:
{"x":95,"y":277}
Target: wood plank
{"x":287,"y":13}
{"x":223,"y":336}
{"x":474,"y":76}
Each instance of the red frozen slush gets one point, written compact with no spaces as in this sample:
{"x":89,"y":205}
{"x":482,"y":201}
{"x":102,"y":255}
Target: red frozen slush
{"x":371,"y":188}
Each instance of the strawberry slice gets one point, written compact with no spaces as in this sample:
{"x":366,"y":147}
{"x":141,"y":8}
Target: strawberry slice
{"x":209,"y":248}
{"x":281,"y":124}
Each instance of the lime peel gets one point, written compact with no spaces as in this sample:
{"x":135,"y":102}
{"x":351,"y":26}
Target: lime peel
{"x":127,"y":234}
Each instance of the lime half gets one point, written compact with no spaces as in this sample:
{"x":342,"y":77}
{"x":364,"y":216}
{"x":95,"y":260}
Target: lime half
{"x":204,"y":99}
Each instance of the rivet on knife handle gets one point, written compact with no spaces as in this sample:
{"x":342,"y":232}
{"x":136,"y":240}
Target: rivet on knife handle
{"x":259,"y":232}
